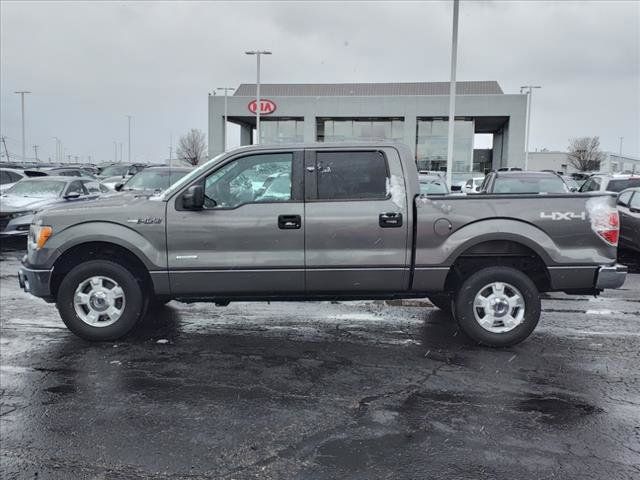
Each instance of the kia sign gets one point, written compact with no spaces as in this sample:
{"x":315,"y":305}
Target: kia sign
{"x":266,"y":106}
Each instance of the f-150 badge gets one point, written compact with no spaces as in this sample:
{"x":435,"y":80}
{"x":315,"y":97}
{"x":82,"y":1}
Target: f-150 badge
{"x":145,"y":221}
{"x":563,"y":215}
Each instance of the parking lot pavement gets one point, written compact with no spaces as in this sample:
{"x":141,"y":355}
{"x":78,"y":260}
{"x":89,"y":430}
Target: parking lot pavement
{"x":320,"y":390}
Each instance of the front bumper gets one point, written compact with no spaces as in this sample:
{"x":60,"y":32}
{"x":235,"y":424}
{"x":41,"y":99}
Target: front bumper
{"x":611,"y":277}
{"x":34,"y":281}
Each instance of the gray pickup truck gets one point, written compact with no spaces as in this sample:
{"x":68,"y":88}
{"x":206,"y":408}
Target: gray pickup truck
{"x":320,"y":222}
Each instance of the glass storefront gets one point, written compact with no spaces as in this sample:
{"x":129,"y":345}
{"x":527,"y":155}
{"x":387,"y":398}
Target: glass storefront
{"x":281,"y":130}
{"x":345,"y":129}
{"x":431,"y":145}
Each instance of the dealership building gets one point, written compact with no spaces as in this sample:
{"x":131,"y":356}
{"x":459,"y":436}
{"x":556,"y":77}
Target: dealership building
{"x":412,"y":113}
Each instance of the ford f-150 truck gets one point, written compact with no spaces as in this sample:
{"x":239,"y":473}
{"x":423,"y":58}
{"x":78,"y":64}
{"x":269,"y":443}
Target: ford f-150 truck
{"x":320,"y":222}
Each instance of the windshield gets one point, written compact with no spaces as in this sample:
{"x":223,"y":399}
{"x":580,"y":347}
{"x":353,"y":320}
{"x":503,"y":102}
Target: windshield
{"x":550,"y":184}
{"x":619,"y":185}
{"x":154,"y":179}
{"x":191,"y":176}
{"x":430,"y":187}
{"x":37,"y":189}
{"x":114,"y":170}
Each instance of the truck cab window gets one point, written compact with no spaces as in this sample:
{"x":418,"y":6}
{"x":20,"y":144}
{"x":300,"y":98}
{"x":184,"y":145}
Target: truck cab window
{"x":351,"y":175}
{"x":252,"y":179}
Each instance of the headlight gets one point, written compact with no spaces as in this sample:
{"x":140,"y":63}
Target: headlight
{"x":21,"y":214}
{"x":38,"y":235}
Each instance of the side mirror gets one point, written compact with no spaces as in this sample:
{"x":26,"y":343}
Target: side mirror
{"x":118,"y":186}
{"x":193,"y":198}
{"x":72,"y":196}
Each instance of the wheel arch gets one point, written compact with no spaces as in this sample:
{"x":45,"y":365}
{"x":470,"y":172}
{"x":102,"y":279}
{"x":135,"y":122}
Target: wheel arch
{"x":99,"y":250}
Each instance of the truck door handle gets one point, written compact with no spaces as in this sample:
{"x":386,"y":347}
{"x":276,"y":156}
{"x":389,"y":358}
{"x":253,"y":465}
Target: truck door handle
{"x":289,"y":222}
{"x":390,"y":220}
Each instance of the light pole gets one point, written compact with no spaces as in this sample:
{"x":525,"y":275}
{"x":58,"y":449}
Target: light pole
{"x":225,"y":90}
{"x":529,"y":89}
{"x":258,"y":53}
{"x":452,"y":92}
{"x":620,"y":154}
{"x":22,"y":93}
{"x":115,"y":152}
{"x":35,"y":152}
{"x":129,"y":146}
{"x":57,"y":148}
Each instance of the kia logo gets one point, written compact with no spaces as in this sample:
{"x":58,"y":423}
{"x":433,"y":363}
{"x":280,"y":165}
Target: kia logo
{"x":266,"y":106}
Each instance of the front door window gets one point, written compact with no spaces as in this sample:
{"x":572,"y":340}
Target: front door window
{"x":252,"y":179}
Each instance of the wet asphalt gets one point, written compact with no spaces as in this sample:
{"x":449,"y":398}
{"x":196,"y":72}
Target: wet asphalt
{"x":320,"y":391}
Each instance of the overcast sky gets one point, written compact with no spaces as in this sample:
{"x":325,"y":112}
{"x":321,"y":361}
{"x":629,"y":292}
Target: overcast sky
{"x":90,"y":64}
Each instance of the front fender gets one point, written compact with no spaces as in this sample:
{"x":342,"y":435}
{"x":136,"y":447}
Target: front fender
{"x":147,"y":242}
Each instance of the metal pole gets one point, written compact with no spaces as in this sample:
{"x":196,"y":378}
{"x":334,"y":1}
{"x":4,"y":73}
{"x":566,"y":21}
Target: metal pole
{"x":226,"y":111}
{"x":22,"y":93}
{"x":57,"y":157}
{"x":120,"y":161}
{"x":115,"y":152}
{"x":258,"y":105}
{"x":621,"y":147}
{"x":129,"y":146}
{"x":170,"y":149}
{"x":35,"y":151}
{"x":258,"y":53}
{"x":529,"y":89}
{"x":452,"y":93}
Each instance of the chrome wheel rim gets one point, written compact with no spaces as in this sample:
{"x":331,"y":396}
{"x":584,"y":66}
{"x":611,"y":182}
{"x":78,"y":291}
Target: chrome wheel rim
{"x":499,"y":307}
{"x":99,"y":301}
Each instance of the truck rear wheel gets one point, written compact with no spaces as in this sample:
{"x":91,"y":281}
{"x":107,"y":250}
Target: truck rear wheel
{"x":498,"y":306}
{"x":100,"y":300}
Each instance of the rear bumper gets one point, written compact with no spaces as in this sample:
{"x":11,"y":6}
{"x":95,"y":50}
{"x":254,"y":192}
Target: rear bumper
{"x":35,"y":282}
{"x":611,"y":277}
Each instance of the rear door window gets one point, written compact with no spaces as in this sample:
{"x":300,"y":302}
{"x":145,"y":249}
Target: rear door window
{"x":635,"y":201}
{"x":351,"y":175}
{"x":622,"y":184}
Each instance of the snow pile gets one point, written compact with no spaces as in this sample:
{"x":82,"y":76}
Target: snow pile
{"x":395,"y":188}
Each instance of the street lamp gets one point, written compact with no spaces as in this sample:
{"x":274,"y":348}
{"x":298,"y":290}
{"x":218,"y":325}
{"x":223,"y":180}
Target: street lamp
{"x":529,"y":90}
{"x":452,"y":93}
{"x":129,"y":146}
{"x":225,"y":90}
{"x":258,"y":53}
{"x":22,"y":93}
{"x":58,"y":143}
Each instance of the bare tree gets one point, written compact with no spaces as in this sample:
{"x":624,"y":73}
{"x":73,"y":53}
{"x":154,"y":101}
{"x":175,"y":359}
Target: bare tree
{"x":192,"y":148}
{"x":585,"y":154}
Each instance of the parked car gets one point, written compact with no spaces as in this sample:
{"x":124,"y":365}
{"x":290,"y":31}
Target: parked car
{"x":9,"y":177}
{"x":59,"y":171}
{"x":19,"y":203}
{"x":517,"y":181}
{"x":629,"y":210}
{"x":432,"y":185}
{"x":604,"y":182}
{"x":153,"y":179}
{"x":121,"y":170}
{"x":351,"y":226}
{"x":472,"y":185}
{"x":114,"y":174}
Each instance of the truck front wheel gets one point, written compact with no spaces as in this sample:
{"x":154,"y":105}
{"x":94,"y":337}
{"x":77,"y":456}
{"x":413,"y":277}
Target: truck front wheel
{"x":100,"y":300}
{"x":498,"y":306}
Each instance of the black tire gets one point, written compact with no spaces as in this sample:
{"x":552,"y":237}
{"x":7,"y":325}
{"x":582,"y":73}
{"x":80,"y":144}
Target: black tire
{"x":133,"y":308}
{"x":441,"y":301}
{"x":464,"y":306}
